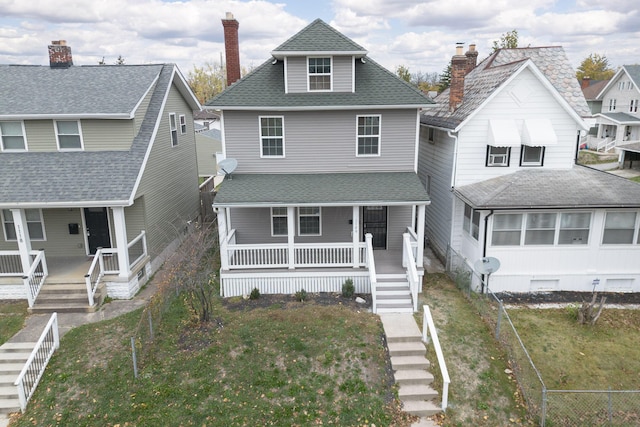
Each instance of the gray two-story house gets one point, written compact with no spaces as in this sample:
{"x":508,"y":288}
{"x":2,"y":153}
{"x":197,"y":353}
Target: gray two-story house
{"x":98,"y":174}
{"x":325,"y":189}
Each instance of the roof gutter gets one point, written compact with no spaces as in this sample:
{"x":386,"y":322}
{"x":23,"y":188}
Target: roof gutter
{"x":323,"y":204}
{"x":316,"y":108}
{"x":54,"y":205}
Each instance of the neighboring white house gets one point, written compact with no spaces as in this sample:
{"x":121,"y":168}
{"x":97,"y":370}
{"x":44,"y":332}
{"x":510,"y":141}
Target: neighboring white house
{"x":498,"y":158}
{"x":326,"y":145}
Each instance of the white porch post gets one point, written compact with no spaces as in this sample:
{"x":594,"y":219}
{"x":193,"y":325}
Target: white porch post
{"x":222,"y":238}
{"x":291,"y":233}
{"x":355,"y":235}
{"x":420,"y":233}
{"x":120,"y":231}
{"x":23,"y":238}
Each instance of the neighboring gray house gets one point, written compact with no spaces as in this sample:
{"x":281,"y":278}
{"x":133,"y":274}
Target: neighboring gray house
{"x":325,"y":141}
{"x":209,"y":147}
{"x":498,"y":157}
{"x":97,"y":171}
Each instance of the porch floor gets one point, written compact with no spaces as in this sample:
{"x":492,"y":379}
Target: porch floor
{"x":67,"y":269}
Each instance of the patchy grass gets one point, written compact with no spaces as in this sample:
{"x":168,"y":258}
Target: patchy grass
{"x":480,"y":393}
{"x":12,"y":315}
{"x":304,"y":365}
{"x":636,"y":179}
{"x":591,"y":157}
{"x":572,"y":356}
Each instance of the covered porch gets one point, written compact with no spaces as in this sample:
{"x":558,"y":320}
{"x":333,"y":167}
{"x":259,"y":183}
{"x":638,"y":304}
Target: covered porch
{"x":76,"y":246}
{"x":283,"y":233}
{"x":615,"y":129}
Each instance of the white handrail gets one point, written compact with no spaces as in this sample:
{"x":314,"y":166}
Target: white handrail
{"x":93,"y":276}
{"x":35,"y":277}
{"x":412,"y":271}
{"x":427,"y":323}
{"x":33,"y":369}
{"x":371,"y":264}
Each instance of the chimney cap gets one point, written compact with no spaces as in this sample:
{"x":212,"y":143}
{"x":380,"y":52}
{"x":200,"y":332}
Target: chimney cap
{"x":229,"y":16}
{"x":459,"y":48}
{"x":59,"y":42}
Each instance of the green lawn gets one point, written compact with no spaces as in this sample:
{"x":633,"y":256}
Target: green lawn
{"x":12,"y":315}
{"x":636,"y":179}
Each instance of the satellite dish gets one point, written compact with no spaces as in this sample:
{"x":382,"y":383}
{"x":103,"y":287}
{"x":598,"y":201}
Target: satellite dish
{"x":486,"y":265}
{"x":227,"y":166}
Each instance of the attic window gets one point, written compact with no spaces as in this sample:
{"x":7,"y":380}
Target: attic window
{"x":69,"y":135}
{"x":319,"y":74}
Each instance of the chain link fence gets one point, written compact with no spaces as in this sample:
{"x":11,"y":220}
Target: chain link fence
{"x":550,"y":407}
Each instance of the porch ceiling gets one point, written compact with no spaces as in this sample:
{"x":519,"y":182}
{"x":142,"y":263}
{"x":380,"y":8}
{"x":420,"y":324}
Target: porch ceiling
{"x":385,"y":188}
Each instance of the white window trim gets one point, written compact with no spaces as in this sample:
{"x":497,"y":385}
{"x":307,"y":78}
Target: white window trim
{"x":279,"y":216}
{"x":612,"y":104}
{"x":260,"y":137}
{"x":491,"y":157}
{"x":319,"y":215}
{"x":633,"y":106}
{"x":634,"y":236}
{"x":24,"y":138}
{"x":558,"y":229}
{"x":173,"y":127}
{"x":183,"y":124}
{"x":4,"y":229}
{"x":379,"y":135}
{"x":330,"y":74}
{"x":539,"y":162}
{"x":474,"y":214}
{"x":431,"y":135}
{"x":55,"y":127}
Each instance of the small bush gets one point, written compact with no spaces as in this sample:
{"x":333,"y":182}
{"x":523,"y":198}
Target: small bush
{"x":348,"y":289}
{"x":255,"y":294}
{"x":301,"y":295}
{"x":572,"y":311}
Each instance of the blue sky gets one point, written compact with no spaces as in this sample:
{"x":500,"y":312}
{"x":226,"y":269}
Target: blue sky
{"x":418,"y":34}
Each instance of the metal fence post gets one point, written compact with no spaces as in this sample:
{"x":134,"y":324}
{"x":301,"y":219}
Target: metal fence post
{"x":500,"y":308}
{"x":610,"y":406}
{"x":150,"y":326}
{"x":543,"y":417}
{"x":133,"y":353}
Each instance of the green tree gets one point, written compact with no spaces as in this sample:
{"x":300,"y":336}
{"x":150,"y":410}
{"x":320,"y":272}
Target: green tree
{"x":508,"y":40}
{"x":445,"y":78}
{"x":403,"y":73}
{"x":207,"y":81}
{"x":596,"y":67}
{"x":120,"y":60}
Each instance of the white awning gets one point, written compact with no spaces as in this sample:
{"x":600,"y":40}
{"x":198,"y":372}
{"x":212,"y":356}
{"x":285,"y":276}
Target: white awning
{"x":538,"y":133}
{"x":503,"y":133}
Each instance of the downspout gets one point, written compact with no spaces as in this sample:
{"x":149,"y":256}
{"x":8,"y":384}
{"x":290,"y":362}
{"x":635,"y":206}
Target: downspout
{"x":455,"y":158}
{"x":484,"y":244}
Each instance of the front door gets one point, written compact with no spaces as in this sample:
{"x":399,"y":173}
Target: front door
{"x":374,"y":221}
{"x":97,"y":229}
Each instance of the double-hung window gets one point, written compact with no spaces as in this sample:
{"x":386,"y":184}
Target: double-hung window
{"x":507,"y":229}
{"x":173,"y":128}
{"x":279,"y":224}
{"x":612,"y":104}
{"x":574,"y":228}
{"x":471,"y":223}
{"x":619,"y":228}
{"x":498,"y":156}
{"x":532,"y":156}
{"x":12,"y":136}
{"x":34,"y":224}
{"x":633,"y":106}
{"x":69,"y":135}
{"x":368,"y":136}
{"x":309,"y":221}
{"x":319,"y":74}
{"x":272,"y":136}
{"x":183,"y":124}
{"x":541,"y":229}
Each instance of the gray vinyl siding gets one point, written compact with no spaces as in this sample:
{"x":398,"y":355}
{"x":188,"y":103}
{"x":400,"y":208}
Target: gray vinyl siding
{"x":59,"y":242}
{"x":297,"y":74}
{"x":398,"y":219}
{"x":100,"y":135}
{"x":170,"y":179}
{"x":253,"y":225}
{"x":142,"y":110}
{"x":96,"y":135}
{"x":135,"y":219}
{"x":435,"y":160}
{"x":207,"y":148}
{"x":322,"y":142}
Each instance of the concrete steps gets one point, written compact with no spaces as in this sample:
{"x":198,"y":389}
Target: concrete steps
{"x":410,"y":365}
{"x":66,"y":298}
{"x":393,"y":294}
{"x":13,"y":356}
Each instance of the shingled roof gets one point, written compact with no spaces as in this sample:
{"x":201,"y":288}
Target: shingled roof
{"x":82,"y":178}
{"x":633,"y":71}
{"x":578,"y":187}
{"x":491,"y":73}
{"x":263,"y":88}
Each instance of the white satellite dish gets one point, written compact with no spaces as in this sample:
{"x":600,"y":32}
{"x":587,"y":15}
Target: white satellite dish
{"x":227,"y":166}
{"x":486,"y":265}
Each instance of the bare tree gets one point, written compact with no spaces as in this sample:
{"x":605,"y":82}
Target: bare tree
{"x":586,"y":313}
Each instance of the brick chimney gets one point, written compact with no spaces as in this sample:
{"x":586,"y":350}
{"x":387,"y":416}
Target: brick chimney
{"x":232,"y":48}
{"x":458,"y":71}
{"x":60,"y":54}
{"x":472,"y":57}
{"x":585,"y":83}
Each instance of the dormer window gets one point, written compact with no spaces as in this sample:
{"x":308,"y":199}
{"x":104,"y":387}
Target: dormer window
{"x":69,"y":135}
{"x":319,"y":74}
{"x":12,"y":136}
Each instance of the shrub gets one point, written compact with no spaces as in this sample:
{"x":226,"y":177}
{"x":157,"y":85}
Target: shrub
{"x":348,"y":289}
{"x":572,"y":311}
{"x":301,"y":295}
{"x":255,"y":294}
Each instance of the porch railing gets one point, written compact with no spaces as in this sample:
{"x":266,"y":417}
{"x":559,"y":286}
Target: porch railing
{"x":322,"y":255}
{"x":35,"y":277}
{"x":371,"y":265}
{"x":409,"y":262}
{"x":10,"y":264}
{"x":34,"y":368}
{"x":428,"y":325}
{"x":137,"y":249}
{"x":606,"y":144}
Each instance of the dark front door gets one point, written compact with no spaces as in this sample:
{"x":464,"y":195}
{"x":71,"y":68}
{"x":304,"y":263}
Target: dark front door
{"x":97,"y":229}
{"x":374,"y":221}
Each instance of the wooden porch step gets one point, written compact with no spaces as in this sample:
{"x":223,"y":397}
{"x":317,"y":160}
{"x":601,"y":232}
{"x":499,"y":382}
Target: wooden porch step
{"x":63,"y":288}
{"x":11,"y":368}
